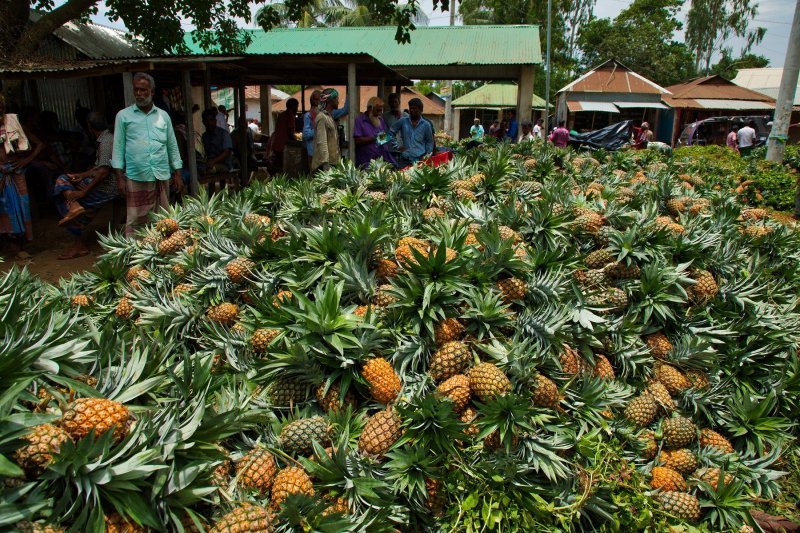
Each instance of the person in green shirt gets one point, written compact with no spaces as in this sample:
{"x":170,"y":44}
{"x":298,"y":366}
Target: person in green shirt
{"x":145,"y":155}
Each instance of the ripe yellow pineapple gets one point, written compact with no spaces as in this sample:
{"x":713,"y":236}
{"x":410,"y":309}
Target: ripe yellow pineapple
{"x":449,"y":329}
{"x":642,"y":410}
{"x":386,"y":269}
{"x":37,"y":527}
{"x":698,"y":378}
{"x":254,"y":219}
{"x":603,"y":368}
{"x":465,"y":195}
{"x":678,"y":432}
{"x":712,"y":477}
{"x":649,"y":446}
{"x":487,"y":381}
{"x":246,"y":517}
{"x":262,"y":338}
{"x":283,"y":296}
{"x":383,"y":298}
{"x":712,"y":439}
{"x":332,"y":400}
{"x":81,"y":300}
{"x":99,"y":414}
{"x":661,"y":395}
{"x":665,"y":478}
{"x":136,"y":272}
{"x":754,"y":214}
{"x":42,"y":442}
{"x":433,"y":213}
{"x":403,"y":253}
{"x":290,"y":480}
{"x":361,"y":311}
{"x":468,"y":417}
{"x":508,"y":234}
{"x":224,"y":313}
{"x":681,"y":504}
{"x":167,"y":226}
{"x":457,"y":389}
{"x":512,"y":289}
{"x":256,"y":471}
{"x":117,"y":524}
{"x":239,"y":269}
{"x":571,"y":361}
{"x":384,"y":383}
{"x":450,"y":359}
{"x":705,"y":287}
{"x":682,"y":460}
{"x":672,"y":378}
{"x":124,"y":308}
{"x":659,"y":344}
{"x":380,"y":432}
{"x":437,"y":498}
{"x":545,"y":392}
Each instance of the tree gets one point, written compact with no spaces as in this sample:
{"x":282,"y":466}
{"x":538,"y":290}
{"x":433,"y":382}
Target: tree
{"x":728,"y":67}
{"x":641,"y":38}
{"x":158,"y":23}
{"x":710,"y":23}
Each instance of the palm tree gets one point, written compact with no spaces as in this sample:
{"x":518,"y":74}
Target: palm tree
{"x":339,"y":13}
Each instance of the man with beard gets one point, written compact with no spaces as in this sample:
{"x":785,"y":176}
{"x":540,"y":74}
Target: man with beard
{"x":326,"y":136}
{"x":370,"y":134}
{"x":145,"y":154}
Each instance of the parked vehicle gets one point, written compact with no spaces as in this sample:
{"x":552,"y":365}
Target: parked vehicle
{"x":715,"y":130}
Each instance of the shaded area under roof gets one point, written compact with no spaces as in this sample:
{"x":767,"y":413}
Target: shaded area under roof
{"x":430,"y":107}
{"x":494,"y":95}
{"x":613,"y":77}
{"x":435,"y":52}
{"x":764,"y":80}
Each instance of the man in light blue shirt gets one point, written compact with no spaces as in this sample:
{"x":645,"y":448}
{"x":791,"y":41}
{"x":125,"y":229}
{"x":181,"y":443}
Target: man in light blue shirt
{"x":308,"y":121}
{"x":416,"y":132}
{"x":146,"y":150}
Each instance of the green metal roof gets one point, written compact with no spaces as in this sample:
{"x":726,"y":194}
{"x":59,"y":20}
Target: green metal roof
{"x":494,"y":95}
{"x":429,"y":46}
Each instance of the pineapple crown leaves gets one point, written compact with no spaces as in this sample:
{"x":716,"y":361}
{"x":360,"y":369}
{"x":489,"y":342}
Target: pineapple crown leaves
{"x":430,"y":424}
{"x":420,"y":303}
{"x":485,"y":313}
{"x":300,"y":512}
{"x":660,"y":290}
{"x":758,"y":473}
{"x":295,"y":363}
{"x":547,"y":324}
{"x":427,"y":182}
{"x":509,"y":415}
{"x":750,"y":420}
{"x":591,"y":399}
{"x":408,"y":467}
{"x":728,"y":504}
{"x":359,"y":282}
{"x":637,"y":244}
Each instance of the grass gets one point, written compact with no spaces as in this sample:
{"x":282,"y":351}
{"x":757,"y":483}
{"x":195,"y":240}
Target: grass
{"x":786,"y":504}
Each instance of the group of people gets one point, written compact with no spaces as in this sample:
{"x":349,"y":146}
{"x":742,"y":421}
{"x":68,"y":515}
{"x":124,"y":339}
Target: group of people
{"x":530,"y":132}
{"x":742,"y":140}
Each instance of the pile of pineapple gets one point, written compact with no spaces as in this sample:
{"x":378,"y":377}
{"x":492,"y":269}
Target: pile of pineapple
{"x":527,"y":338}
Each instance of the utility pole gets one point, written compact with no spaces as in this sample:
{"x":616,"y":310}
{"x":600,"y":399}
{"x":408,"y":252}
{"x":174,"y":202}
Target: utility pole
{"x":783,"y":108}
{"x":448,"y":102}
{"x":547,"y":72}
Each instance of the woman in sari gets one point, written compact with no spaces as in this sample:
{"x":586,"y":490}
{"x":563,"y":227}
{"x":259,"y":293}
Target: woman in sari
{"x":18,"y":148}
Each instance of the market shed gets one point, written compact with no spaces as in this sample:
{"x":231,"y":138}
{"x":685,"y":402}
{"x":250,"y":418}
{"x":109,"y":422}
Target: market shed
{"x":767,"y":81}
{"x":435,"y":52}
{"x":487,"y":103}
{"x":714,"y":96}
{"x":612,"y":93}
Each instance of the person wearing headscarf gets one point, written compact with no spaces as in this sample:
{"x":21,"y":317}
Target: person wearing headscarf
{"x":370,"y":134}
{"x":326,"y":135}
{"x":311,"y":115}
{"x":643,"y":137}
{"x":18,"y":148}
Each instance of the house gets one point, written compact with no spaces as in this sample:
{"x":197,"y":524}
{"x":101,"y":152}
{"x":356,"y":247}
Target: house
{"x":432,"y":110}
{"x":487,"y":103}
{"x":767,"y":81}
{"x":612,"y":93}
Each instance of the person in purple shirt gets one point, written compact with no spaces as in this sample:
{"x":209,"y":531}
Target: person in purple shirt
{"x":369,"y":134}
{"x":560,"y":135}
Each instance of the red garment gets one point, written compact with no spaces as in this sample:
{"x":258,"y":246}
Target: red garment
{"x":560,"y":137}
{"x":284,"y":130}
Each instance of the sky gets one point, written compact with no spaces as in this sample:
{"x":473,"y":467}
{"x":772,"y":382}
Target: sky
{"x":774,"y":15}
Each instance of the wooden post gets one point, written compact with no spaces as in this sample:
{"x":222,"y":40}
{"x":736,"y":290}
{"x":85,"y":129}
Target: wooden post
{"x":266,"y":108}
{"x":188,"y":103}
{"x":207,"y":87}
{"x":240,"y":124}
{"x":524,"y":94}
{"x":267,"y":90}
{"x":302,"y":100}
{"x":352,"y":98}
{"x":382,"y":91}
{"x":456,"y":123}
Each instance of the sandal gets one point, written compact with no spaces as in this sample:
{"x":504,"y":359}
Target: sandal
{"x":75,"y":211}
{"x":73,"y":255}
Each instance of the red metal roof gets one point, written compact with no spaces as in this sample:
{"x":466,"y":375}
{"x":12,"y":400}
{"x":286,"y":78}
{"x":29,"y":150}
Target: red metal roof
{"x":431,"y":107}
{"x":715,"y":87}
{"x":613,"y":77}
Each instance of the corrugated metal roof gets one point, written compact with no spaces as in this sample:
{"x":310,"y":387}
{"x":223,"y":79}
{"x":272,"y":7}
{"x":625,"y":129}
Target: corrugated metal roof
{"x":96,"y":41}
{"x":737,"y":105}
{"x":253,"y":92}
{"x":640,"y":105}
{"x":494,"y":95}
{"x":717,"y":88}
{"x":601,"y":107}
{"x":430,"y":107}
{"x":614,"y":77}
{"x":764,"y":80}
{"x":429,"y":46}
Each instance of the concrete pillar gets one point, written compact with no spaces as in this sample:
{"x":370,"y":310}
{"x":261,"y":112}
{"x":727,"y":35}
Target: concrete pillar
{"x":352,"y":98}
{"x":265,"y":102}
{"x":456,"y":123}
{"x":188,"y":103}
{"x":127,"y":87}
{"x":240,"y":125}
{"x":524,"y":94}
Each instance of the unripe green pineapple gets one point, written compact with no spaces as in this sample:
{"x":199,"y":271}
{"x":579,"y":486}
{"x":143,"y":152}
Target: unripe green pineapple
{"x":681,"y":504}
{"x":678,"y":432}
{"x":296,"y":438}
{"x":287,"y":392}
{"x":487,"y":381}
{"x":598,"y":259}
{"x":246,"y":517}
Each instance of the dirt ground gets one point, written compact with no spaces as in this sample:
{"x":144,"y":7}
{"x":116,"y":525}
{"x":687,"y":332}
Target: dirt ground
{"x":49,"y":241}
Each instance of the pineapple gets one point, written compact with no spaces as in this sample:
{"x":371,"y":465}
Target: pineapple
{"x":649,"y":446}
{"x":545,"y":392}
{"x":378,"y":196}
{"x":124,"y":308}
{"x":296,"y":438}
{"x":512,"y":289}
{"x":450,"y":359}
{"x":676,"y":206}
{"x":661,"y":395}
{"x":403,"y":252}
{"x":466,"y":195}
{"x":468,"y":417}
{"x":659,"y":344}
{"x":117,"y":524}
{"x":754,"y":214}
{"x":262,"y":338}
{"x":665,"y":478}
{"x":598,"y":259}
{"x":290,"y":480}
{"x":254,"y":219}
{"x":448,"y":330}
{"x":221,"y":475}
{"x":712,"y":439}
{"x":167,"y":226}
{"x":433,"y":213}
{"x":678,"y":432}
{"x":386,"y":269}
{"x":681,"y":504}
{"x":81,"y":300}
{"x":682,"y":460}
{"x":182,"y":288}
{"x":508,"y":234}
{"x":243,"y":518}
{"x":361,"y":311}
{"x":705,"y":287}
{"x":383,"y":298}
{"x":571,"y":362}
{"x":384,"y":383}
{"x":224,"y":313}
{"x":672,"y":378}
{"x":86,"y":414}
{"x":698,"y":379}
{"x":487,"y":381}
{"x":603,"y":368}
{"x":42,"y":442}
{"x":437,"y":498}
{"x":712,"y":476}
{"x":642,"y":410}
{"x":136,"y":272}
{"x":286,"y":392}
{"x":36,"y":527}
{"x":457,"y":389}
{"x":590,"y":223}
{"x":239,"y":269}
{"x":332,"y":400}
{"x":283,"y":296}
{"x":173,"y":244}
{"x":621,"y":271}
{"x":256,"y":471}
{"x":380,"y":433}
